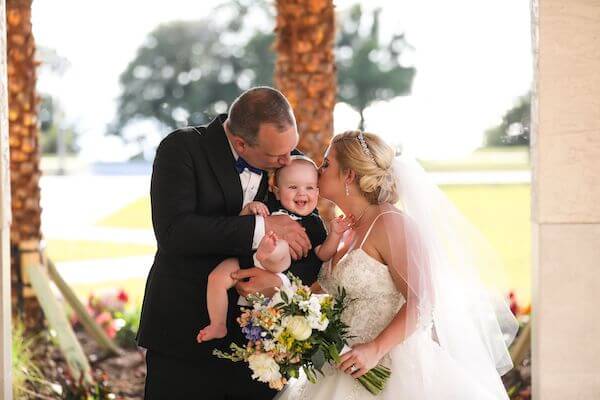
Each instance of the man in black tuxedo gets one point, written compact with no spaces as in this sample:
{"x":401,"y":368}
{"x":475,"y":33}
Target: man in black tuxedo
{"x":201,"y":179}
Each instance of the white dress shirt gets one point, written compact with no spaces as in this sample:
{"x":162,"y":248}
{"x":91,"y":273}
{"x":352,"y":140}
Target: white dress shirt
{"x":250,"y":184}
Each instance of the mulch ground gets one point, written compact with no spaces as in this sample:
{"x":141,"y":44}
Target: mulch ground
{"x":124,"y":374}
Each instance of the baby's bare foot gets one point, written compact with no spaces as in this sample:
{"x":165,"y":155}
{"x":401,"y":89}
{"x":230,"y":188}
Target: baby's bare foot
{"x":266,"y":246}
{"x":211,"y":332}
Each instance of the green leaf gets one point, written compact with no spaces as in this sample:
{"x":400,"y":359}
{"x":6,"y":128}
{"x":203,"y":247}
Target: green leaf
{"x":310,"y":374}
{"x":293,"y":373}
{"x":318,"y":359}
{"x":334,"y":353}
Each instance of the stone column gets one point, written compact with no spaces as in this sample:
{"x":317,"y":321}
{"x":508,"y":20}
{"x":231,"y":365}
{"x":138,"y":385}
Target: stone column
{"x":566,"y":199}
{"x":5,"y":300}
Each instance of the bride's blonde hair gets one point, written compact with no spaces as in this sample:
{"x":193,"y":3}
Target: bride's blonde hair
{"x":372,"y":165}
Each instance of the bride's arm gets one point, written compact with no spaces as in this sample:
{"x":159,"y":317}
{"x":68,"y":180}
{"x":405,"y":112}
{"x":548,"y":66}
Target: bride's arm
{"x":392,"y":251}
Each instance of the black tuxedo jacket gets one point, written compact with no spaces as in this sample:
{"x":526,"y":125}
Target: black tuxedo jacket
{"x":196,"y":198}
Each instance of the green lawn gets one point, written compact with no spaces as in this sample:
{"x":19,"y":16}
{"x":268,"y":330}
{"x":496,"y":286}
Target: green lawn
{"x":501,"y":212}
{"x":135,"y":215}
{"x":75,"y":250}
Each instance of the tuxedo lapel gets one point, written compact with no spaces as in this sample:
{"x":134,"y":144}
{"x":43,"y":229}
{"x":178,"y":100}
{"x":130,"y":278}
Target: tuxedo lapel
{"x":261,"y":195}
{"x":223,"y":165}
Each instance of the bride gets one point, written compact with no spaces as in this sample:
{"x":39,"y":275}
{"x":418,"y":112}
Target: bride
{"x":412,"y":271}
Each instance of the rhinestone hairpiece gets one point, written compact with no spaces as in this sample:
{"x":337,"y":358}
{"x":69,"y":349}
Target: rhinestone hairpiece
{"x":363,"y":144}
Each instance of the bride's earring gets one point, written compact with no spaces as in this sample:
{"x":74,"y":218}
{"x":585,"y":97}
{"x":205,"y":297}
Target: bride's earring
{"x":347,"y":189}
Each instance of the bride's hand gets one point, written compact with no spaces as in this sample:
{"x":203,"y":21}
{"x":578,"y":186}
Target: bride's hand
{"x":360,"y":359}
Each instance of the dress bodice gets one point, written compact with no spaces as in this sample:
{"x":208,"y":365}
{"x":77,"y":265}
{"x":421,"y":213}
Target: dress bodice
{"x":375,"y":301}
{"x":368,"y":283}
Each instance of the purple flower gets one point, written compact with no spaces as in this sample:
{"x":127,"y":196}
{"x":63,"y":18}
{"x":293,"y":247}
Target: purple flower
{"x":252,"y":332}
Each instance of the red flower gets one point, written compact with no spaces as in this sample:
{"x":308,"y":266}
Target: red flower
{"x":122,"y":296}
{"x":514,"y":305}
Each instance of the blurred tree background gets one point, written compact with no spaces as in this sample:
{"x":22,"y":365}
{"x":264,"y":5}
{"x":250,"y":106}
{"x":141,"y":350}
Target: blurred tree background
{"x":57,"y":135}
{"x":368,"y":68}
{"x":515,"y":127}
{"x":188,"y":72}
{"x":55,"y":131}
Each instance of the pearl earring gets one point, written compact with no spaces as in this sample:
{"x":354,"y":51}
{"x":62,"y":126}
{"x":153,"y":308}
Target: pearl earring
{"x":347,"y":190}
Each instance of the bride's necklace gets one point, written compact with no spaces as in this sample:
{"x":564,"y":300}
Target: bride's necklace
{"x":362,"y":214}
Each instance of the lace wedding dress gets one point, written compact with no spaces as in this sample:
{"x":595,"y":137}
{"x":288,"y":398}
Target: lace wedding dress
{"x":418,"y":364}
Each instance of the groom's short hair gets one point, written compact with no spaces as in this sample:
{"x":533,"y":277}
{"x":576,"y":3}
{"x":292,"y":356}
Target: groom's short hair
{"x":256,"y":106}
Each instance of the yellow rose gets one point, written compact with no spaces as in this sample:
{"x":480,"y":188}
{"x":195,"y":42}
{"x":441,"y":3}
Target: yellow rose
{"x":298,"y":327}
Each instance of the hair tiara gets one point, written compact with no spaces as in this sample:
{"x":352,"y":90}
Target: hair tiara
{"x":363,"y":144}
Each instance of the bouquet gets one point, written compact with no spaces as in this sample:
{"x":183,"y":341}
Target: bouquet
{"x":296,"y":330}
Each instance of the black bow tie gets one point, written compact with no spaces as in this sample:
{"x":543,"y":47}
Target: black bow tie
{"x":241,"y":165}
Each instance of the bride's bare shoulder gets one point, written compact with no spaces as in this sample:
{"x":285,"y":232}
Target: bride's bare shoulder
{"x":389,"y":217}
{"x":388,"y":229}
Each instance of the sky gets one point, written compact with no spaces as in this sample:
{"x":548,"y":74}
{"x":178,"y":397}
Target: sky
{"x":473,"y":60}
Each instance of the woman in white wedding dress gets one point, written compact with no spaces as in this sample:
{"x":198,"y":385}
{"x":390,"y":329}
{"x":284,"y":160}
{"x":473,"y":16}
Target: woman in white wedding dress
{"x":418,"y":306}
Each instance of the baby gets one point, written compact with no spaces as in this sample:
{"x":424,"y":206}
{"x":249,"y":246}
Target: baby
{"x":296,"y":188}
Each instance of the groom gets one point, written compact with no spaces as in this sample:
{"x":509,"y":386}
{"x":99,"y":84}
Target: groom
{"x":201,"y":179}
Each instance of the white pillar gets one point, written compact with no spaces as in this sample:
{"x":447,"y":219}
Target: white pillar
{"x":566,"y":200}
{"x":5,"y":300}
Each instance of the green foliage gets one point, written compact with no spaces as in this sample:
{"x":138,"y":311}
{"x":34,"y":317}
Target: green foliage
{"x":514,"y":130}
{"x":187,"y":72}
{"x":28,"y":380}
{"x":24,"y":369}
{"x":125,"y":336}
{"x":368,"y":69}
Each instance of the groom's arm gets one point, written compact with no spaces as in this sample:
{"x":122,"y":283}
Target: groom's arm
{"x":177,"y":226}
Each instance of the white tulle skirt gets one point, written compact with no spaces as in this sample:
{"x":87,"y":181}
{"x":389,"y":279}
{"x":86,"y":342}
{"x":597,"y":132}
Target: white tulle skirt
{"x":421,"y":369}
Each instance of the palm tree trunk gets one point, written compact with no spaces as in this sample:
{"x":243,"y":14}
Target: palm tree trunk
{"x":24,"y":144}
{"x":305,"y":70}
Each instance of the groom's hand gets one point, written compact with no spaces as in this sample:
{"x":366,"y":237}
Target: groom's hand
{"x":260,"y":280}
{"x":290,"y":231}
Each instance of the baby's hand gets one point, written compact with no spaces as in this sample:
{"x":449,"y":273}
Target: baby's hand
{"x":341,"y":224}
{"x":255,"y":208}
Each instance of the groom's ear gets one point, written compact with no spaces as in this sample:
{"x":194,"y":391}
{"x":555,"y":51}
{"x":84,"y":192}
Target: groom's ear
{"x":238,"y":143}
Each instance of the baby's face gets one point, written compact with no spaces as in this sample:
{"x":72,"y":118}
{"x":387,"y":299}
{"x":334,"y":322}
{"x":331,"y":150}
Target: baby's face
{"x":297,"y":187}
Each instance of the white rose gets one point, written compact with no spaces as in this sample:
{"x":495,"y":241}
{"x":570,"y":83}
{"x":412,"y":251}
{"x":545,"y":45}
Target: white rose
{"x":298,"y":327}
{"x":264,"y":367}
{"x":318,"y":321}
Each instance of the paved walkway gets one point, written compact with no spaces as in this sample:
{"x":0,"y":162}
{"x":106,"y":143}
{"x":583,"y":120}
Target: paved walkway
{"x":102,"y":270}
{"x":481,"y":178}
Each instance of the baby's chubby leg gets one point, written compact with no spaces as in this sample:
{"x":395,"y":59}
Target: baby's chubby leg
{"x":219,"y":281}
{"x":273,"y":253}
